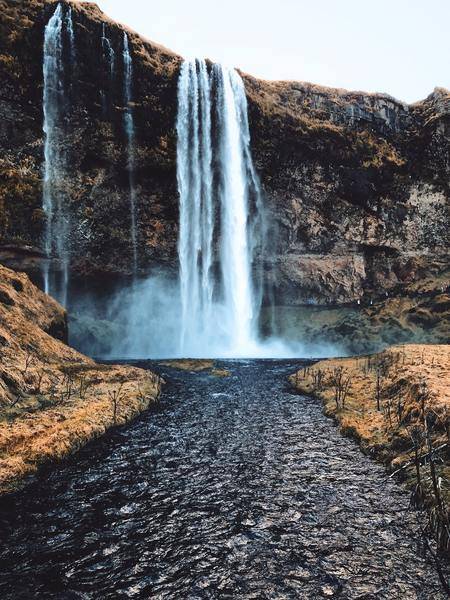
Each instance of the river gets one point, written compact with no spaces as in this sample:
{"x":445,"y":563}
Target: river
{"x":231,"y":487}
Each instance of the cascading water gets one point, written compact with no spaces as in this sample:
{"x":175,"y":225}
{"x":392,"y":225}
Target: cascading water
{"x":109,"y":59}
{"x":130,"y":133}
{"x":217,"y":316}
{"x":108,"y":52}
{"x":236,"y":256}
{"x":71,"y":35}
{"x":214,"y":310}
{"x":54,"y":104}
{"x":222,"y":217}
{"x":194,"y":173}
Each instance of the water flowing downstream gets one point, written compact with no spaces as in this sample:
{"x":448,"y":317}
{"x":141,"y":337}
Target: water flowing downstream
{"x":232,"y":487}
{"x":54,"y":201}
{"x":217,"y":185}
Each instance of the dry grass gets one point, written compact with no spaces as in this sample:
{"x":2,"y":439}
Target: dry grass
{"x":53,"y":400}
{"x":220,"y":372}
{"x":32,"y":439}
{"x":197,"y":365}
{"x":190,"y":364}
{"x":391,"y":395}
{"x":408,"y":368}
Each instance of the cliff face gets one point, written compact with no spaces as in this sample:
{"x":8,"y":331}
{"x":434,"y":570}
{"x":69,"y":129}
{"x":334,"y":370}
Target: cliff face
{"x":356,"y":185}
{"x":96,"y":180}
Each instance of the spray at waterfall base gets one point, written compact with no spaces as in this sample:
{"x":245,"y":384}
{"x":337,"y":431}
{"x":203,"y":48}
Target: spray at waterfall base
{"x":142,"y":319}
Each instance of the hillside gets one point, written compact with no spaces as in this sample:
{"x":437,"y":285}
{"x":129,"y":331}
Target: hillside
{"x":53,"y":400}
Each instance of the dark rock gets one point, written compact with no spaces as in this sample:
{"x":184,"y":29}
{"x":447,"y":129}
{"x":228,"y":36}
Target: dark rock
{"x":58,"y":327}
{"x":17,"y":285}
{"x":6,"y":298}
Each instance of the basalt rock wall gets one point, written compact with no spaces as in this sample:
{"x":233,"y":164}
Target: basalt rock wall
{"x":356,"y":184}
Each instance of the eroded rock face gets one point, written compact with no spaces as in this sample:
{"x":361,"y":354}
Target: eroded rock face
{"x":357,"y":185}
{"x":351,"y":174}
{"x":320,"y":278}
{"x":95,"y":143}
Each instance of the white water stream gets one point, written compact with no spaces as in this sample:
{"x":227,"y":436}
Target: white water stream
{"x":220,"y":306}
{"x":130,"y":133}
{"x":56,"y":235}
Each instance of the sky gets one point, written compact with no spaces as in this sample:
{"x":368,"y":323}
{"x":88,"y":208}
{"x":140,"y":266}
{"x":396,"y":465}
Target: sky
{"x":398,"y":47}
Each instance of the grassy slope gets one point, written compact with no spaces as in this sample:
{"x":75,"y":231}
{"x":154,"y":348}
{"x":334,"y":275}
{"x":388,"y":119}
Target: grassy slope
{"x":53,"y":400}
{"x":414,"y":379}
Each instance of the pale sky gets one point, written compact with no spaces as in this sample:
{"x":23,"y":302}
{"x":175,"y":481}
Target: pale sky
{"x":400,"y":47}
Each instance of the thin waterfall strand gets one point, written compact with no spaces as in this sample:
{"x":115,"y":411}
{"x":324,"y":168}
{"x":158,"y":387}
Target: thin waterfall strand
{"x":130,"y":133}
{"x":71,"y":35}
{"x":109,"y":59}
{"x":108,"y":53}
{"x":57,"y":219}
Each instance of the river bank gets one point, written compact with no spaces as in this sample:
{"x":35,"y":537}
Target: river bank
{"x":53,"y":400}
{"x":375,"y":398}
{"x":396,"y":405}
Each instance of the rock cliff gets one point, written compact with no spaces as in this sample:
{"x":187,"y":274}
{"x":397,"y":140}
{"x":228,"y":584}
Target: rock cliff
{"x":356,"y":184}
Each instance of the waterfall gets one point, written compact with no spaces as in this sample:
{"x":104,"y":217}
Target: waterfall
{"x":130,"y":134}
{"x":235,"y":247}
{"x":57,"y":228}
{"x":194,"y":174}
{"x":217,"y":315}
{"x":109,"y":59}
{"x":71,"y":35}
{"x":108,"y":53}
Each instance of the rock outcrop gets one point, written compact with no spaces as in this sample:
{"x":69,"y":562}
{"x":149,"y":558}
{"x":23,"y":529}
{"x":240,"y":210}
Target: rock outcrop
{"x":356,"y":185}
{"x":420,"y":314}
{"x":358,"y":179}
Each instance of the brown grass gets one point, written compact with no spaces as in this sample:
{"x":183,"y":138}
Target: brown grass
{"x":32,"y":439}
{"x":53,"y":400}
{"x":413,"y":379}
{"x":190,"y":364}
{"x":196,"y":365}
{"x":220,"y":372}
